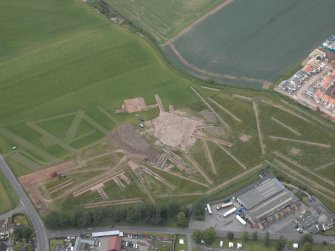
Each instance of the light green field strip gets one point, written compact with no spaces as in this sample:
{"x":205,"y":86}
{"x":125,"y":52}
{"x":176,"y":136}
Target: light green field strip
{"x":107,"y":114}
{"x":242,"y":97}
{"x":314,"y":187}
{"x":24,"y":161}
{"x":232,"y":180}
{"x":260,"y":134}
{"x":210,"y":88}
{"x":286,"y":126}
{"x":55,"y":117}
{"x":300,"y":141}
{"x":179,"y":195}
{"x":95,"y":124}
{"x":208,"y":155}
{"x":306,"y":169}
{"x":29,"y":156}
{"x":306,"y":180}
{"x":285,"y":109}
{"x":225,"y":110}
{"x":324,"y":166}
{"x":309,"y":115}
{"x":71,"y":132}
{"x":82,"y":136}
{"x":181,"y":177}
{"x":199,"y":169}
{"x":48,"y":46}
{"x":232,"y":156}
{"x":50,"y":136}
{"x":211,"y":108}
{"x":26,"y":144}
{"x":142,"y":187}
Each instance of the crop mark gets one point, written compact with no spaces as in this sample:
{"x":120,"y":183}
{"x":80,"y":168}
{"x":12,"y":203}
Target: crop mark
{"x":211,"y":108}
{"x":286,"y":126}
{"x":260,"y":135}
{"x":232,"y":156}
{"x":72,"y":130}
{"x":26,"y":144}
{"x":107,"y":114}
{"x":301,"y":141}
{"x":208,"y":155}
{"x":225,"y":110}
{"x":50,"y":136}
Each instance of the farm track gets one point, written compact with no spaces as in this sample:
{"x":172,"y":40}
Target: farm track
{"x":317,"y":186}
{"x":260,"y":135}
{"x":324,"y":166}
{"x":199,"y":169}
{"x":232,"y":156}
{"x":304,"y":168}
{"x":225,"y":110}
{"x":228,"y":182}
{"x":113,"y":203}
{"x":286,"y":126}
{"x":301,"y":141}
{"x":188,"y":28}
{"x":158,"y":177}
{"x":211,"y":108}
{"x":211,"y":139}
{"x":208,"y":155}
{"x":88,"y":170}
{"x":95,"y":124}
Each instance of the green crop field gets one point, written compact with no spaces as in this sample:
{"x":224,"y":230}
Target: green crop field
{"x":260,"y":39}
{"x":7,"y":196}
{"x":163,"y":18}
{"x":65,"y":69}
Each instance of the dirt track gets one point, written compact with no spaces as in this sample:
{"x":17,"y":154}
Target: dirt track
{"x":301,"y":141}
{"x":188,"y":28}
{"x":260,"y":135}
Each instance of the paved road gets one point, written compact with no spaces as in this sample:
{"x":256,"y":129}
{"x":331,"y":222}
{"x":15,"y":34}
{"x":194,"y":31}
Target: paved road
{"x":27,"y":208}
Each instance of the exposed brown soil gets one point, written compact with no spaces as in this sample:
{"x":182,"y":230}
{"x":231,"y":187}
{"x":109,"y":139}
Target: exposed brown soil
{"x":32,"y":180}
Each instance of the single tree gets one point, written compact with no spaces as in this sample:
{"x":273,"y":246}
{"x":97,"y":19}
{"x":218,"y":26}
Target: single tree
{"x":254,"y":236}
{"x":209,"y":235}
{"x":306,"y":238}
{"x":280,"y":244}
{"x":245,"y":236}
{"x":307,"y":247}
{"x":230,"y":236}
{"x":197,"y":236}
{"x":181,"y":219}
{"x":267,"y":239}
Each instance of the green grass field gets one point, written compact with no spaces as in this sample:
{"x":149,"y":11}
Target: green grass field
{"x":163,"y":18}
{"x":259,"y":39}
{"x":65,"y":70}
{"x":8,"y":197}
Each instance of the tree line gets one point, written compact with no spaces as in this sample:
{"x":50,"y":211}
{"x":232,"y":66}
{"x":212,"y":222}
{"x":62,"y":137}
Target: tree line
{"x":136,"y":214}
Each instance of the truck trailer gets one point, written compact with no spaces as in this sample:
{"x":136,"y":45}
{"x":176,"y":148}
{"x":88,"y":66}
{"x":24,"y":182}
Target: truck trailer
{"x":229,"y":212}
{"x":239,"y":218}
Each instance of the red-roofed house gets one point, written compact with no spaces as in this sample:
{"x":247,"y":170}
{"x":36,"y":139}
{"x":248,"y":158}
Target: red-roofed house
{"x":308,"y":69}
{"x":115,"y":243}
{"x":325,"y":98}
{"x":327,"y":82}
{"x":318,"y":94}
{"x":332,"y":103}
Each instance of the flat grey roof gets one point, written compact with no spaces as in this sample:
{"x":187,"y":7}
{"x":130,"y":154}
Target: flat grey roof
{"x":271,"y":205}
{"x":257,"y":195}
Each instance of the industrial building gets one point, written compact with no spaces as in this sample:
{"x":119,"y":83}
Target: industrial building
{"x":265,"y":199}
